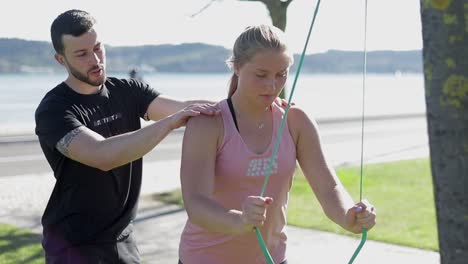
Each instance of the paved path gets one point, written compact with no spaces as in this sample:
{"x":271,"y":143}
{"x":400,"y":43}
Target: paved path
{"x":25,"y":189}
{"x":159,"y":245}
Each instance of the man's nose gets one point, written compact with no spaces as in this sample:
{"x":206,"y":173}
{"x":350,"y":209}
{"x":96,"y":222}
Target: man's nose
{"x":95,"y":58}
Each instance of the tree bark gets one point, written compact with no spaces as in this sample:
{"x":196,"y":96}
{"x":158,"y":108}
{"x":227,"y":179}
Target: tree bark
{"x":278,"y":11}
{"x":445,"y":54}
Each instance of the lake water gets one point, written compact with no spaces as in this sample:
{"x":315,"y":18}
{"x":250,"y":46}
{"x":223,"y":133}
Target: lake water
{"x":321,"y":96}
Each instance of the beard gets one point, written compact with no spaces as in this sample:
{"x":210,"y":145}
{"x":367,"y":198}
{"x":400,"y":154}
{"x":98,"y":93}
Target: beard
{"x":85,"y":77}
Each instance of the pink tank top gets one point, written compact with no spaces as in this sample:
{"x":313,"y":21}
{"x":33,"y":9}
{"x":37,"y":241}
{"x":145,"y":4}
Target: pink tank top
{"x":240,"y":173}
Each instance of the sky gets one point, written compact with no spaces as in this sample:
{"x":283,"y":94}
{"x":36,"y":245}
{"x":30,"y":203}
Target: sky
{"x":391,"y":24}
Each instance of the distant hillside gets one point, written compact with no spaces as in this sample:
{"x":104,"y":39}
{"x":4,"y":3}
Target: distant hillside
{"x":193,"y":57}
{"x":18,"y":55}
{"x":335,"y":61}
{"x":22,"y":56}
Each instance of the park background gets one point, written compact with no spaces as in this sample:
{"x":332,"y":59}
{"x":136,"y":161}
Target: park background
{"x":324,"y":90}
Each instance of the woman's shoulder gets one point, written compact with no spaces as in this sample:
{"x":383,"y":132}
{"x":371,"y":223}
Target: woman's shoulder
{"x":300,"y":122}
{"x":297,"y":114}
{"x":204,"y":130}
{"x":294,"y":113}
{"x":204,"y":123}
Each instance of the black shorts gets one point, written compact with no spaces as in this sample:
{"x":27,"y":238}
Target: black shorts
{"x":123,"y":251}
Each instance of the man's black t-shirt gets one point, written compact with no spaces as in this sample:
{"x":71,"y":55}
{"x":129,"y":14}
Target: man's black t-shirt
{"x":88,"y":205}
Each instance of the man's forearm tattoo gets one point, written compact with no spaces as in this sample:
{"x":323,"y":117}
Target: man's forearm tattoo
{"x":65,"y":142}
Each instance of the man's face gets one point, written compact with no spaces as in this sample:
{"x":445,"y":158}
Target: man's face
{"x":85,"y":58}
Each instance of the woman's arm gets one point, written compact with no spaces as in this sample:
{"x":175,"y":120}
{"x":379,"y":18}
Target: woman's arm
{"x":202,"y":137}
{"x":332,"y":196}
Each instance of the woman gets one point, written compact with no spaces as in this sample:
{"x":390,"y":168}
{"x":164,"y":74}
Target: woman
{"x":225,"y":160}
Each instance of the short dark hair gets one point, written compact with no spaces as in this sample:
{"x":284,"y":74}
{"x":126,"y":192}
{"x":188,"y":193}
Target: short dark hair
{"x":72,"y":22}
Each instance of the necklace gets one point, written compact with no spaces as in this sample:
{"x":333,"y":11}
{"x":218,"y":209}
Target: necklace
{"x":261,"y":124}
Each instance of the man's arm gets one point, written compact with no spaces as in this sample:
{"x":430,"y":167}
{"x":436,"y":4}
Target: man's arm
{"x":90,"y":148}
{"x":163,"y":106}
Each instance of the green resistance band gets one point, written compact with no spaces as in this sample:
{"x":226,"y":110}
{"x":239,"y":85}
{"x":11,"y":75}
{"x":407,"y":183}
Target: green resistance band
{"x":361,"y":244}
{"x":263,"y":246}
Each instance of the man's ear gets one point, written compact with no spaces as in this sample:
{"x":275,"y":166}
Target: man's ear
{"x":59,"y":58}
{"x":236,"y":69}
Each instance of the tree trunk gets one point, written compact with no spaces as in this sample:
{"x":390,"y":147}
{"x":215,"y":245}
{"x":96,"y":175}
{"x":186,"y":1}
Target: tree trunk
{"x":278,"y":10}
{"x":278,"y":13}
{"x":445,"y":53}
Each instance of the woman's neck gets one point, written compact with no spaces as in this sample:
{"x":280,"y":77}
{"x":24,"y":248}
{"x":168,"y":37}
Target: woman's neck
{"x":248,"y":110}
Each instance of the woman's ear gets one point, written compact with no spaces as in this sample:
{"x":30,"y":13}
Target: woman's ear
{"x":236,"y":70}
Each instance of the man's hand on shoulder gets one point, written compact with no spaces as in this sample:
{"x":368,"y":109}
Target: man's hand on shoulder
{"x":163,"y":106}
{"x":181,"y":117}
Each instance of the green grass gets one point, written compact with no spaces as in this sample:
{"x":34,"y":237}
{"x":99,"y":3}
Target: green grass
{"x":172,"y":197}
{"x":401,"y":191}
{"x":19,"y":246}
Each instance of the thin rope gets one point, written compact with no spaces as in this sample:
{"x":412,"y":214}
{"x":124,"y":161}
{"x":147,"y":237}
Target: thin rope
{"x":364,"y":73}
{"x":280,"y":132}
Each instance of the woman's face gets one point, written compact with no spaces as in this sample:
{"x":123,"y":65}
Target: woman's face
{"x":263,"y":77}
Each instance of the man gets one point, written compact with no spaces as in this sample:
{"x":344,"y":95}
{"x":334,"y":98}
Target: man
{"x":89,"y":130}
